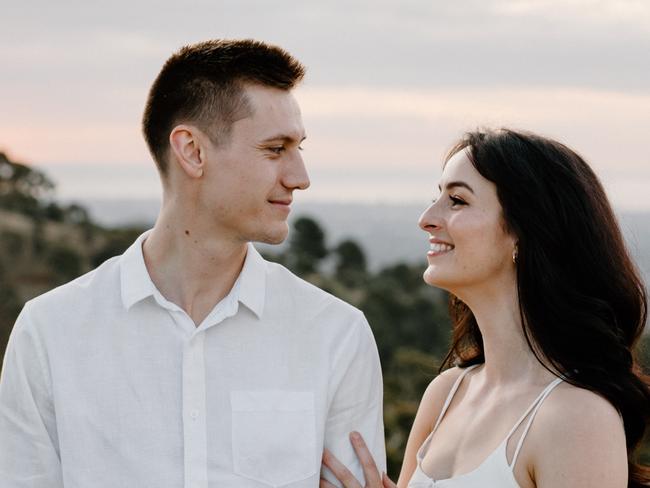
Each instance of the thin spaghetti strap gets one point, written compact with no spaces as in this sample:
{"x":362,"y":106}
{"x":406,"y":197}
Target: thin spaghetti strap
{"x":534,"y":407}
{"x":425,"y":445}
{"x":450,"y":396}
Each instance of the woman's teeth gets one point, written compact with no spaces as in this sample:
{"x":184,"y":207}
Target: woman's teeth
{"x":437,"y":247}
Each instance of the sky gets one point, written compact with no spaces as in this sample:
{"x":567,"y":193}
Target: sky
{"x":390,"y":86}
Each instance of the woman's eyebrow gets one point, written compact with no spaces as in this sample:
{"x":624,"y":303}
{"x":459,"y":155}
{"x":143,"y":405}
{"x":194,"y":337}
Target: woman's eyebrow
{"x":454,"y":184}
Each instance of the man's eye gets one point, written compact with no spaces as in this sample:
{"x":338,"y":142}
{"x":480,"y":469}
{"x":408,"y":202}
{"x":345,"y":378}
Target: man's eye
{"x":276,"y":149}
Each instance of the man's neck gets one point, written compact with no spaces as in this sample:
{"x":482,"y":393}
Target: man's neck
{"x":191,"y":270}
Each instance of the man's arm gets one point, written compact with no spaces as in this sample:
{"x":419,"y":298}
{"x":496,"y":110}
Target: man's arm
{"x":357,"y":404}
{"x":29,"y":455}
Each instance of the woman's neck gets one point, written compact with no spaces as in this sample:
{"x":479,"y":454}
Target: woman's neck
{"x":508,"y":357}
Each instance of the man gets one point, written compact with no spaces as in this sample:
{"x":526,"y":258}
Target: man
{"x":189,"y":360}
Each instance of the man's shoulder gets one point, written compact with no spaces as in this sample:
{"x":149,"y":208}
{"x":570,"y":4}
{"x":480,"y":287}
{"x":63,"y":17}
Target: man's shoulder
{"x":100,"y":282}
{"x":288,"y":287}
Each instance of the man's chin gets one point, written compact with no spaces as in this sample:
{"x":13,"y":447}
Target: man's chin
{"x":274,"y":236}
{"x":274,"y":240}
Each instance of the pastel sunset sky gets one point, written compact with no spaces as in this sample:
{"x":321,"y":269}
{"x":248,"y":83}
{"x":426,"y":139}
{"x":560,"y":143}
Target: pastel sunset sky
{"x":390,"y":85}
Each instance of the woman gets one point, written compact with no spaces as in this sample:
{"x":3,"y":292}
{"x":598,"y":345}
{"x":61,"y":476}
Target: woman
{"x":547,"y":307}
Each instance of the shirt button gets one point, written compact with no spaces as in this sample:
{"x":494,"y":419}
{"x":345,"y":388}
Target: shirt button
{"x":194,"y":414}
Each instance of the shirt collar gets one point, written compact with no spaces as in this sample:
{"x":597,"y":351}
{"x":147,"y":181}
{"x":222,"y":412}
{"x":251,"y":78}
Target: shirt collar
{"x":137,"y":285}
{"x":252,"y":281}
{"x":135,"y":280}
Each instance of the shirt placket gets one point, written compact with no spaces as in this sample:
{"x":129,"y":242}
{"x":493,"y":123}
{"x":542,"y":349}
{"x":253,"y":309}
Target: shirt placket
{"x":194,"y":412}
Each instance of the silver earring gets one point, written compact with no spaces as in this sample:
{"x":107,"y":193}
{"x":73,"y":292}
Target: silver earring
{"x":514,"y":255}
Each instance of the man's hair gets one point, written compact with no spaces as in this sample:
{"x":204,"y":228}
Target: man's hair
{"x":203,"y":84}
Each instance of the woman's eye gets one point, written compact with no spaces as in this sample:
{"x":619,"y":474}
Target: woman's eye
{"x":276,"y":149}
{"x":456,"y":201}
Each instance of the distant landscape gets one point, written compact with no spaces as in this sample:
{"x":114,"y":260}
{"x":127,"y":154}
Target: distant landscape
{"x":388,"y":233}
{"x":117,"y":195}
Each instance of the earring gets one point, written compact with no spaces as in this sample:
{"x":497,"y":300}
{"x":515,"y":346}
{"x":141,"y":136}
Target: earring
{"x":514,"y":255}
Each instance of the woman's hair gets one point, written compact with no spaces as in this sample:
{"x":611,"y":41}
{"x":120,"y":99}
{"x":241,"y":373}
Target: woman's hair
{"x":583,"y":305}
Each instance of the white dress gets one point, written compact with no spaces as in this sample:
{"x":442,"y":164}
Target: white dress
{"x":494,"y":471}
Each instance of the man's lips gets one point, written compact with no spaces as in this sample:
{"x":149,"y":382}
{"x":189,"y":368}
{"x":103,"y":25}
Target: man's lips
{"x":281,"y":202}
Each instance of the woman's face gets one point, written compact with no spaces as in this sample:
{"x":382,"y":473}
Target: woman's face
{"x":469,"y":244}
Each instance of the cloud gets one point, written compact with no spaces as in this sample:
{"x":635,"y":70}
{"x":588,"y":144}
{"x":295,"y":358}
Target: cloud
{"x":588,"y":43}
{"x":389,"y":87}
{"x":415,"y":127}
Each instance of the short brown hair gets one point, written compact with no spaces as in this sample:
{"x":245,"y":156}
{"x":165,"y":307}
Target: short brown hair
{"x":204,"y":83}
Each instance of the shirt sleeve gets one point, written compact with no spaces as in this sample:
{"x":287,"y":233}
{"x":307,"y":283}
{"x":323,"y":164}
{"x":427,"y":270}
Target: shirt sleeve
{"x":29,"y":455}
{"x":357,"y":403}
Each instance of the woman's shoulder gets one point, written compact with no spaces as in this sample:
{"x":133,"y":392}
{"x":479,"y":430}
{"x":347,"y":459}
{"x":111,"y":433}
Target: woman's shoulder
{"x":430,"y":407}
{"x":575,"y":408}
{"x":578,"y":434}
{"x":435,"y":395}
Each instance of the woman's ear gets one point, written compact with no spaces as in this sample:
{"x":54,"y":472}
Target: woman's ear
{"x":186,"y":149}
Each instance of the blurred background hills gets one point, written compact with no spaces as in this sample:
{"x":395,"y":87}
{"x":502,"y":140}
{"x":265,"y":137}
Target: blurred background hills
{"x":388,"y":232}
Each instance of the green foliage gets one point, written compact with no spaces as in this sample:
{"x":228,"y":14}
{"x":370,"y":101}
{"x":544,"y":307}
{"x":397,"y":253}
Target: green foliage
{"x":53,"y":212}
{"x":12,"y":244}
{"x":306,"y":246}
{"x":10,"y":302}
{"x":643,"y":352}
{"x":350,"y":263}
{"x":22,"y":188}
{"x":405,"y":312}
{"x":406,"y":377}
{"x":116,"y":241}
{"x":65,"y":263}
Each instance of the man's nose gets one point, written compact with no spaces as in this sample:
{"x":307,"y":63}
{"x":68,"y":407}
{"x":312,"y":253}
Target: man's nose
{"x":296,"y":177}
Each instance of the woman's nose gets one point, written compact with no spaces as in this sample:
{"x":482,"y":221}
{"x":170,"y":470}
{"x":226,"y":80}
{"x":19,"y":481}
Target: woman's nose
{"x":429,"y":220}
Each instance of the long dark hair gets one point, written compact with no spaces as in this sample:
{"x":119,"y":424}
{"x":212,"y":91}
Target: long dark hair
{"x":583,"y":304}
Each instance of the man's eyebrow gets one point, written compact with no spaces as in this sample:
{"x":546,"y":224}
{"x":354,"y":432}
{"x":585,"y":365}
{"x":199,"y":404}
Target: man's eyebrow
{"x":454,"y":184}
{"x":284,"y":138}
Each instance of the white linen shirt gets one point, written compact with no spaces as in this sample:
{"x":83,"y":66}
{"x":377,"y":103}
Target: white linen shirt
{"x":106,"y":384}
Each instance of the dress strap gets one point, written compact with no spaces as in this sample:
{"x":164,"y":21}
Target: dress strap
{"x":534,"y":407}
{"x":451,"y":394}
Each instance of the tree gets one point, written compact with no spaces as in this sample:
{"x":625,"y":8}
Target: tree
{"x":65,"y":262}
{"x":350,"y":263}
{"x":23,"y":188}
{"x":10,"y":304}
{"x":405,"y":312}
{"x":306,"y":246}
{"x":116,"y":242}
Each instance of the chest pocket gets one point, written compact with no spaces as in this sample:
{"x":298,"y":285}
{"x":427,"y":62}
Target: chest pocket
{"x":274,"y":436}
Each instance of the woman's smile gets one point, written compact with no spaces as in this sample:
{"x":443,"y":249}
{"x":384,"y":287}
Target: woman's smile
{"x":438,"y":248}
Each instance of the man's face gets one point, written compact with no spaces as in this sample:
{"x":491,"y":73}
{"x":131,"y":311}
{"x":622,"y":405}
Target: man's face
{"x":249,"y":180}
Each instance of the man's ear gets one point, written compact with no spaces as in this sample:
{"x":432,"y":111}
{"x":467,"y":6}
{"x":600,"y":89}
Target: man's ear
{"x":186,"y":148}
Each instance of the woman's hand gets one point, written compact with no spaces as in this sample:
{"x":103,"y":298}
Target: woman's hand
{"x":343,"y":474}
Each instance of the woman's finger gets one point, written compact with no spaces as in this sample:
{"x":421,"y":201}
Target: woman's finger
{"x":368,"y":464}
{"x":342,"y":473}
{"x":387,"y":482}
{"x":326,"y":484}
